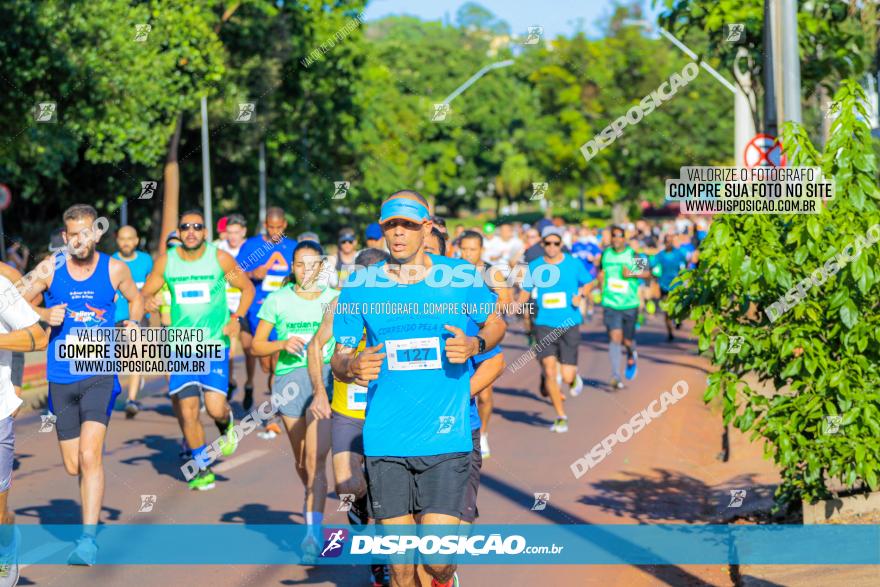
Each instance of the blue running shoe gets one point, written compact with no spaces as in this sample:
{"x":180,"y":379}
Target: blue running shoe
{"x":632,"y":367}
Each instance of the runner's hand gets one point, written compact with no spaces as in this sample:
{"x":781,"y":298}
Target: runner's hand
{"x":232,"y":327}
{"x":294,"y":345}
{"x":320,"y":407}
{"x":154,"y":303}
{"x":131,"y":328}
{"x":367,"y":364}
{"x":460,"y":348}
{"x":576,"y":301}
{"x":260,"y":272}
{"x":56,"y":314}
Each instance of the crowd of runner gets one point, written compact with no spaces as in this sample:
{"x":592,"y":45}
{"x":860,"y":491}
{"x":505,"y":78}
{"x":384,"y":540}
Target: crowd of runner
{"x":401,"y":400}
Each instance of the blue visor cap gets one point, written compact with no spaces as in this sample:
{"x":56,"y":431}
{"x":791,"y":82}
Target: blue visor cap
{"x":403,"y":207}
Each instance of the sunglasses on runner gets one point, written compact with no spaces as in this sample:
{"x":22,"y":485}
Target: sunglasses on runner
{"x":196,"y":226}
{"x":552,"y":243}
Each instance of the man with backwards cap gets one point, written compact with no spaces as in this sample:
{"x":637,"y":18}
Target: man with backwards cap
{"x":417,"y":438}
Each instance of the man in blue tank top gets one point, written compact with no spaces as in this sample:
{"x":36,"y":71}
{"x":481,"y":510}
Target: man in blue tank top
{"x":78,"y":289}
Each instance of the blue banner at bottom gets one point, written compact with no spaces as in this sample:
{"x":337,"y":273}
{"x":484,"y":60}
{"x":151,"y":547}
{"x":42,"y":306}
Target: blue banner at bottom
{"x":277,"y":544}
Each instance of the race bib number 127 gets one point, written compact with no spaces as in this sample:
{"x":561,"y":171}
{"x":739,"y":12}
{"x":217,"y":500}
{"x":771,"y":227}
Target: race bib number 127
{"x":414,"y":353}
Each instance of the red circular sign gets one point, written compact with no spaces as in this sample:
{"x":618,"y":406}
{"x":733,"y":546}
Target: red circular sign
{"x":5,"y":196}
{"x":764,"y":151}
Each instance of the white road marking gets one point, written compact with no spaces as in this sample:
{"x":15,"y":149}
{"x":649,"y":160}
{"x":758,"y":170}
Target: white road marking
{"x":239,"y":460}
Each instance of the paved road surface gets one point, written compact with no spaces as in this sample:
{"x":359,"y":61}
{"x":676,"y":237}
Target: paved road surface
{"x":666,"y":473}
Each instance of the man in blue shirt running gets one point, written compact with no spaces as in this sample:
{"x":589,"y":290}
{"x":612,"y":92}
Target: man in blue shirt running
{"x":559,"y":280}
{"x":670,"y":262}
{"x":265,"y":259}
{"x":417,"y":436}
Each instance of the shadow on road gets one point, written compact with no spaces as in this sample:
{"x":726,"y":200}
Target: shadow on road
{"x":670,"y":496}
{"x":62,"y":511}
{"x":258,"y":513}
{"x":668,"y":574}
{"x":163,"y":458}
{"x":528,"y":418}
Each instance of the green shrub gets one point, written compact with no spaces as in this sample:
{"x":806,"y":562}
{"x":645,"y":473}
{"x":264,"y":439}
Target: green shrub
{"x":821,"y":356}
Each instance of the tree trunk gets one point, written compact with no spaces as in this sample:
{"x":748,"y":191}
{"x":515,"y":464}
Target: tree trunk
{"x":618,"y":213}
{"x":171,"y":197}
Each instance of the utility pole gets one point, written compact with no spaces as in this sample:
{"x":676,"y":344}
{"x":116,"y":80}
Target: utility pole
{"x":771,"y":127}
{"x":206,"y":173}
{"x":262,"y":183}
{"x":791,"y":63}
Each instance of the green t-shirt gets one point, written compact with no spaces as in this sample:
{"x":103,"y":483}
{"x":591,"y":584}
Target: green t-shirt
{"x":619,"y":292}
{"x":195,"y":301}
{"x":293,"y":315}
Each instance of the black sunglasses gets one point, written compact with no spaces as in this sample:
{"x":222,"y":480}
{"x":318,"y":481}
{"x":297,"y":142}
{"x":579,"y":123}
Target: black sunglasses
{"x":346,"y":240}
{"x":197,"y":226}
{"x":552,"y":243}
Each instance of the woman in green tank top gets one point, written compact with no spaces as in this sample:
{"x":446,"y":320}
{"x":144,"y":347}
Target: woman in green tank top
{"x":296,"y":311}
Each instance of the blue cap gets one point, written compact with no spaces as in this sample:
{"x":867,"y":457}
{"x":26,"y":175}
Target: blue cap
{"x":405,"y":206}
{"x":374,"y":231}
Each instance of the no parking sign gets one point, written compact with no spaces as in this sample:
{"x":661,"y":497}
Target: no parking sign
{"x":763,"y":151}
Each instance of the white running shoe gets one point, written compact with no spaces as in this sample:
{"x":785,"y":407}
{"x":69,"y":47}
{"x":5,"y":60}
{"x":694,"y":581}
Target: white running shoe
{"x":560,"y":425}
{"x":578,"y":386}
{"x":484,"y":446}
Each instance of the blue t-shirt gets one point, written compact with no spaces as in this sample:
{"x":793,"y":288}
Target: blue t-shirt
{"x":419,"y":404}
{"x":670,"y":263}
{"x":580,"y":251}
{"x":140,"y":267}
{"x":554,"y":304}
{"x":473,"y":330}
{"x":258,"y":251}
{"x":688,"y":249}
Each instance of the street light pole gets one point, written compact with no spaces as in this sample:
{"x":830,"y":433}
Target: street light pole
{"x":475,"y":77}
{"x":791,"y":64}
{"x":206,"y":172}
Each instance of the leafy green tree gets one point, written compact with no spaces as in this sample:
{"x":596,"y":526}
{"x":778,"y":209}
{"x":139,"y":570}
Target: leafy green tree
{"x":820,"y":358}
{"x":117,"y":99}
{"x":834,"y":38}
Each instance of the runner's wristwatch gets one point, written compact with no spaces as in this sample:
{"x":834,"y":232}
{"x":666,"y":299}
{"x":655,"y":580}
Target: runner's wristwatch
{"x":482,"y":345}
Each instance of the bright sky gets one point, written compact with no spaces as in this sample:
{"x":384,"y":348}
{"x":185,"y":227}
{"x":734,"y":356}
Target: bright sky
{"x":556,"y":16}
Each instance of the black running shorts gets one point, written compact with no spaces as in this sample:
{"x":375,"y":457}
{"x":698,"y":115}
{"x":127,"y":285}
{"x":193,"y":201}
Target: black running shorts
{"x":469,"y":511}
{"x":621,"y":320}
{"x":89,"y":399}
{"x":417,"y":485}
{"x":554,"y":342}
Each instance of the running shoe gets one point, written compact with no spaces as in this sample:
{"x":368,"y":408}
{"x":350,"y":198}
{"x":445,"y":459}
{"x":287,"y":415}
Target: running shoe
{"x":380,"y":575}
{"x":248,"y":400}
{"x":651,"y":307}
{"x":560,"y":425}
{"x":270,"y":431}
{"x":132,"y":407}
{"x":632,"y":368}
{"x":484,"y":446}
{"x":639,"y":321}
{"x":616,"y":384}
{"x":85,"y":553}
{"x":230,"y":442}
{"x":203,"y":481}
{"x":9,"y":570}
{"x":578,"y":386}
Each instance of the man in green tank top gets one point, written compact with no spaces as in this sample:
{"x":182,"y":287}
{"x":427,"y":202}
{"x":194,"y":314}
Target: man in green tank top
{"x":619,"y":277}
{"x":195,"y":273}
